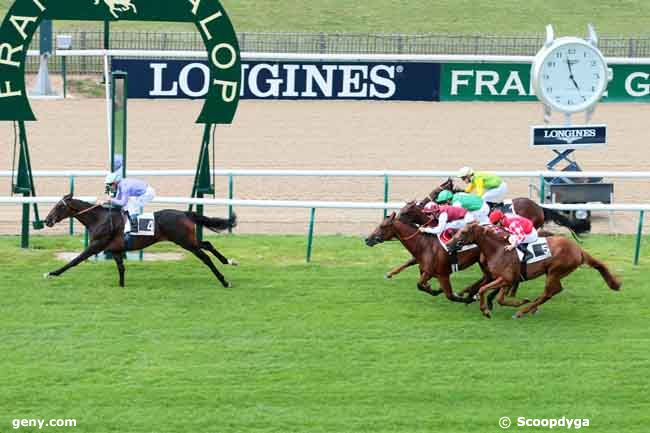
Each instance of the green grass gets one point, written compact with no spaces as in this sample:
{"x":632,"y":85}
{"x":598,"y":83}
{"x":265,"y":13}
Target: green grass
{"x":324,"y":347}
{"x":626,"y":17}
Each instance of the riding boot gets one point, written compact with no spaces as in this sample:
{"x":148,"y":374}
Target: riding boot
{"x":133,"y":219}
{"x":453,"y":260}
{"x":524,"y":269}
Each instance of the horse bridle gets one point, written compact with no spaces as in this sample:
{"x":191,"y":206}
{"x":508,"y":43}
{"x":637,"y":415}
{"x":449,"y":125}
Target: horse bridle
{"x":408,"y":238}
{"x":66,"y":204}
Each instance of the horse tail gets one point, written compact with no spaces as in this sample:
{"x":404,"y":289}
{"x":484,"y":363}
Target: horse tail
{"x":610,"y":279}
{"x":215,"y":224}
{"x":576,"y":226}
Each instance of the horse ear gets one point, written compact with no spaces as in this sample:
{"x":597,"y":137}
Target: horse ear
{"x":67,"y":196}
{"x":392,"y":216}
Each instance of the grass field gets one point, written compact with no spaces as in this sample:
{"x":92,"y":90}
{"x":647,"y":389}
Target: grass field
{"x":325,"y":347}
{"x":626,"y":17}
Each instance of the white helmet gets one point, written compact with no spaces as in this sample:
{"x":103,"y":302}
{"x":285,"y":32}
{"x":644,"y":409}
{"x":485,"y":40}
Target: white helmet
{"x":465,"y":172}
{"x":112,"y":178}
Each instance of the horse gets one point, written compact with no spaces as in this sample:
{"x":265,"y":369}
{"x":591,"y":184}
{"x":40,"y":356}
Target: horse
{"x":504,"y":267}
{"x":412,"y":213}
{"x":106,"y":228}
{"x":524,"y":207}
{"x":118,"y":6}
{"x":427,"y":252}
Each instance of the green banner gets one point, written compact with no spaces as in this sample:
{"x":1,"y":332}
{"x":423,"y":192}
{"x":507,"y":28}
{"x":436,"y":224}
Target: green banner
{"x":211,"y":20}
{"x":511,"y":82}
{"x":485,"y":82}
{"x":631,"y":83}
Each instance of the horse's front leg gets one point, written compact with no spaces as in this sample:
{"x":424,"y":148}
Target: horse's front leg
{"x":93,"y":249}
{"x":445,"y":285}
{"x":400,"y":268}
{"x":423,"y":284}
{"x":119,"y":260}
{"x":491,"y":286}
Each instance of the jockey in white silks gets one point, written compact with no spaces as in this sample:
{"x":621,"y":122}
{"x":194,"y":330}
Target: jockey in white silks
{"x":132,"y":194}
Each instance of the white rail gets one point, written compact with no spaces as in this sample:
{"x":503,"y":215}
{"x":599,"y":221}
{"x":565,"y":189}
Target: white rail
{"x":262,"y":56}
{"x":339,"y":173}
{"x":315,"y":204}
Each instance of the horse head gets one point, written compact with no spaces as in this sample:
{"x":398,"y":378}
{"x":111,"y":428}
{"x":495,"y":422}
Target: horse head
{"x":60,"y":211}
{"x":384,"y":232}
{"x":446,"y":185}
{"x":412,"y":214}
{"x":465,"y":236}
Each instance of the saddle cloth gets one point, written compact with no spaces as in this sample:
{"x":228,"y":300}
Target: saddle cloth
{"x":446,"y":236}
{"x":146,"y":225}
{"x":537,"y":251}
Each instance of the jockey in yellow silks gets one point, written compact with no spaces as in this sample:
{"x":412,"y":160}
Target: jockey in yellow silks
{"x":489,"y":186}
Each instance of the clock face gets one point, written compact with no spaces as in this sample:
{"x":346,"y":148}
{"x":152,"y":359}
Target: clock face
{"x":571,"y":77}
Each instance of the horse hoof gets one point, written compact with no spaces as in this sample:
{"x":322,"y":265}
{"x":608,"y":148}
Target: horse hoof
{"x":48,"y":276}
{"x":515,"y":317}
{"x":388,"y":276}
{"x":487,"y":314}
{"x":476,"y":297}
{"x":229,"y":285}
{"x":233,"y":262}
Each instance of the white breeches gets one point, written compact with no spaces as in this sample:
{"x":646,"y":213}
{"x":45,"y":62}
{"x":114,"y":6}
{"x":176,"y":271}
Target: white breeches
{"x":136,"y":203}
{"x":455,"y":225}
{"x":529,"y":239}
{"x":496,"y":195}
{"x":482,"y":216}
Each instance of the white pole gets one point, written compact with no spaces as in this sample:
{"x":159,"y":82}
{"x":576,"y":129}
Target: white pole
{"x":109,"y":119}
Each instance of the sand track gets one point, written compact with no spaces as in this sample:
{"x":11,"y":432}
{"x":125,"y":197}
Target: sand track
{"x":71,"y":134}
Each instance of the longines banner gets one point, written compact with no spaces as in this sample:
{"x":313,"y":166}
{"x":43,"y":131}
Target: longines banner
{"x":511,"y":82}
{"x":287,"y":80}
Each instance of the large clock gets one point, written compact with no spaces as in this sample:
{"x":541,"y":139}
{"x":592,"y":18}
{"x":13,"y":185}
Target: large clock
{"x":569,"y":75}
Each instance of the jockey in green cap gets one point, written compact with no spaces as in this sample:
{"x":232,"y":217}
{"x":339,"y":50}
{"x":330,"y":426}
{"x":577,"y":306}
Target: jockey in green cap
{"x":472,"y":203}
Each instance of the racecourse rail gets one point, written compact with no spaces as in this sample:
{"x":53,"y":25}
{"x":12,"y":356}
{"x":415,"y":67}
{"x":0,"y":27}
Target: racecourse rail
{"x":313,"y":205}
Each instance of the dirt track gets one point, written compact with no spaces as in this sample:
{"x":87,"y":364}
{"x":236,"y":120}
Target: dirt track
{"x":71,"y":134}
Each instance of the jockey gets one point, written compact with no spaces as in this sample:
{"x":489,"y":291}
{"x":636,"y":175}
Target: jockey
{"x":133,"y":194}
{"x":522,"y":231}
{"x":486,"y":185}
{"x":449,"y":217}
{"x":474,"y":204}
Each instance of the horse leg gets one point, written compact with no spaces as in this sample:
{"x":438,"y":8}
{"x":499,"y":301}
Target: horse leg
{"x":445,"y":285}
{"x":208,"y":246}
{"x":490,"y":286}
{"x":119,"y":260}
{"x":552,"y":288}
{"x":400,"y":268}
{"x":423,"y":285}
{"x":93,"y":249}
{"x":473,"y":289}
{"x":509,"y":302}
{"x":205,"y":259}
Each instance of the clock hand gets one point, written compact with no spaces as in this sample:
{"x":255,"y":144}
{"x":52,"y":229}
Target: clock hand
{"x":571,"y":75}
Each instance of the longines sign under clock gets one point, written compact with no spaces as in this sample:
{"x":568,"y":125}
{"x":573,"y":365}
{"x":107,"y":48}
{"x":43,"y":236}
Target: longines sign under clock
{"x":568,"y":137}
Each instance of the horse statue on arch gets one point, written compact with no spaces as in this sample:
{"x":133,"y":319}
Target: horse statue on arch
{"x":116,"y":6}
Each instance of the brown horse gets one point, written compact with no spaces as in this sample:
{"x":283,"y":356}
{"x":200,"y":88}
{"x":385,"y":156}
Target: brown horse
{"x":432,"y":258}
{"x":524,"y":207}
{"x":504,"y":266}
{"x":412,"y":213}
{"x":106,"y":228}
